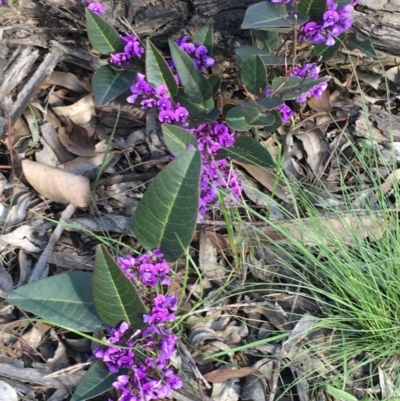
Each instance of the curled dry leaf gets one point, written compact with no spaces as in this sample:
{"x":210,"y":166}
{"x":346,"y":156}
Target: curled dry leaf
{"x":22,"y":237}
{"x":80,"y":112}
{"x":77,"y":140}
{"x":57,"y":185}
{"x":221,"y":375}
{"x":66,"y":80}
{"x":321,"y":104}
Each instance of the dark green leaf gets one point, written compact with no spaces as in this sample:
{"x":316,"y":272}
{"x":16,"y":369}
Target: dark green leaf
{"x":248,"y":150}
{"x":276,"y":124}
{"x":244,"y":52}
{"x":195,"y":85}
{"x":293,"y":87}
{"x":109,"y":83}
{"x":253,"y":117}
{"x":265,"y":14}
{"x":267,"y":40}
{"x":235,"y":119}
{"x":177,"y":139}
{"x":215,"y":82}
{"x":194,"y":109}
{"x":314,"y":8}
{"x":364,"y":45}
{"x":325,"y":52}
{"x":253,"y":75}
{"x":157,"y":70}
{"x":205,"y":36}
{"x":166,"y":215}
{"x":226,"y":108}
{"x":269,"y":103}
{"x":342,"y":3}
{"x":97,"y":380}
{"x":65,"y":300}
{"x":115,"y":297}
{"x":102,"y":36}
{"x":207,"y":117}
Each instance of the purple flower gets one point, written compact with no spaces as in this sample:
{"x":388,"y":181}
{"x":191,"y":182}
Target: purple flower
{"x":96,"y":7}
{"x":166,"y":116}
{"x":330,"y":17}
{"x":286,"y":112}
{"x":181,"y":114}
{"x":164,"y":104}
{"x":162,"y":91}
{"x":119,"y":59}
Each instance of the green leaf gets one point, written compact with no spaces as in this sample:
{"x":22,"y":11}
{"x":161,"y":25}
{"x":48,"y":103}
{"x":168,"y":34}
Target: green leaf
{"x":195,"y":85}
{"x":194,"y":109}
{"x":115,"y":297}
{"x":341,"y":394}
{"x":270,"y":15}
{"x":267,"y":40}
{"x":314,"y":8}
{"x":97,"y":380}
{"x":293,"y":87}
{"x":208,"y":117}
{"x":226,"y":108}
{"x":276,"y":124}
{"x":248,"y":150}
{"x":253,"y":74}
{"x":269,"y":103}
{"x":253,"y":117}
{"x":342,"y":3}
{"x":65,"y":300}
{"x":364,"y":45}
{"x":215,"y":82}
{"x":177,"y":139}
{"x":109,"y":83}
{"x":102,"y":36}
{"x":235,"y":119}
{"x":157,"y":70}
{"x":166,"y":215}
{"x":244,"y":52}
{"x":205,"y":36}
{"x":325,"y":52}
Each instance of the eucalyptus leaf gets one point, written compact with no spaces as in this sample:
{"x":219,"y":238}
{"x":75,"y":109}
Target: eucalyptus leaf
{"x":207,"y":117}
{"x":102,"y":36}
{"x":97,"y":380}
{"x":65,"y":300}
{"x":109,"y":83}
{"x":205,"y":36}
{"x":116,"y":298}
{"x":177,"y":139}
{"x":235,"y":119}
{"x":195,"y":85}
{"x":253,"y":74}
{"x":166,"y":215}
{"x":158,"y":71}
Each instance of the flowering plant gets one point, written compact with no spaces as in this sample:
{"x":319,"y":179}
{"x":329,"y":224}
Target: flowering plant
{"x":128,"y":299}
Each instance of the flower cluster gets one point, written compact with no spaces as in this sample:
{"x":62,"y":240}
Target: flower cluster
{"x":132,"y":48}
{"x":309,"y":70}
{"x":198,"y":51}
{"x":168,"y":112}
{"x":144,"y":354}
{"x":94,"y":6}
{"x":215,"y":174}
{"x":335,"y":22}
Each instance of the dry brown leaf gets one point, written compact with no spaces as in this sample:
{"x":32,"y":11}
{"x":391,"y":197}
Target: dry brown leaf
{"x":80,"y":112}
{"x":65,"y":80}
{"x":388,"y":184}
{"x":57,"y":185}
{"x":208,"y":261}
{"x":266,"y":178}
{"x":50,"y":135}
{"x":221,"y":375}
{"x":321,"y":104}
{"x":77,"y":140}
{"x":393,"y":74}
